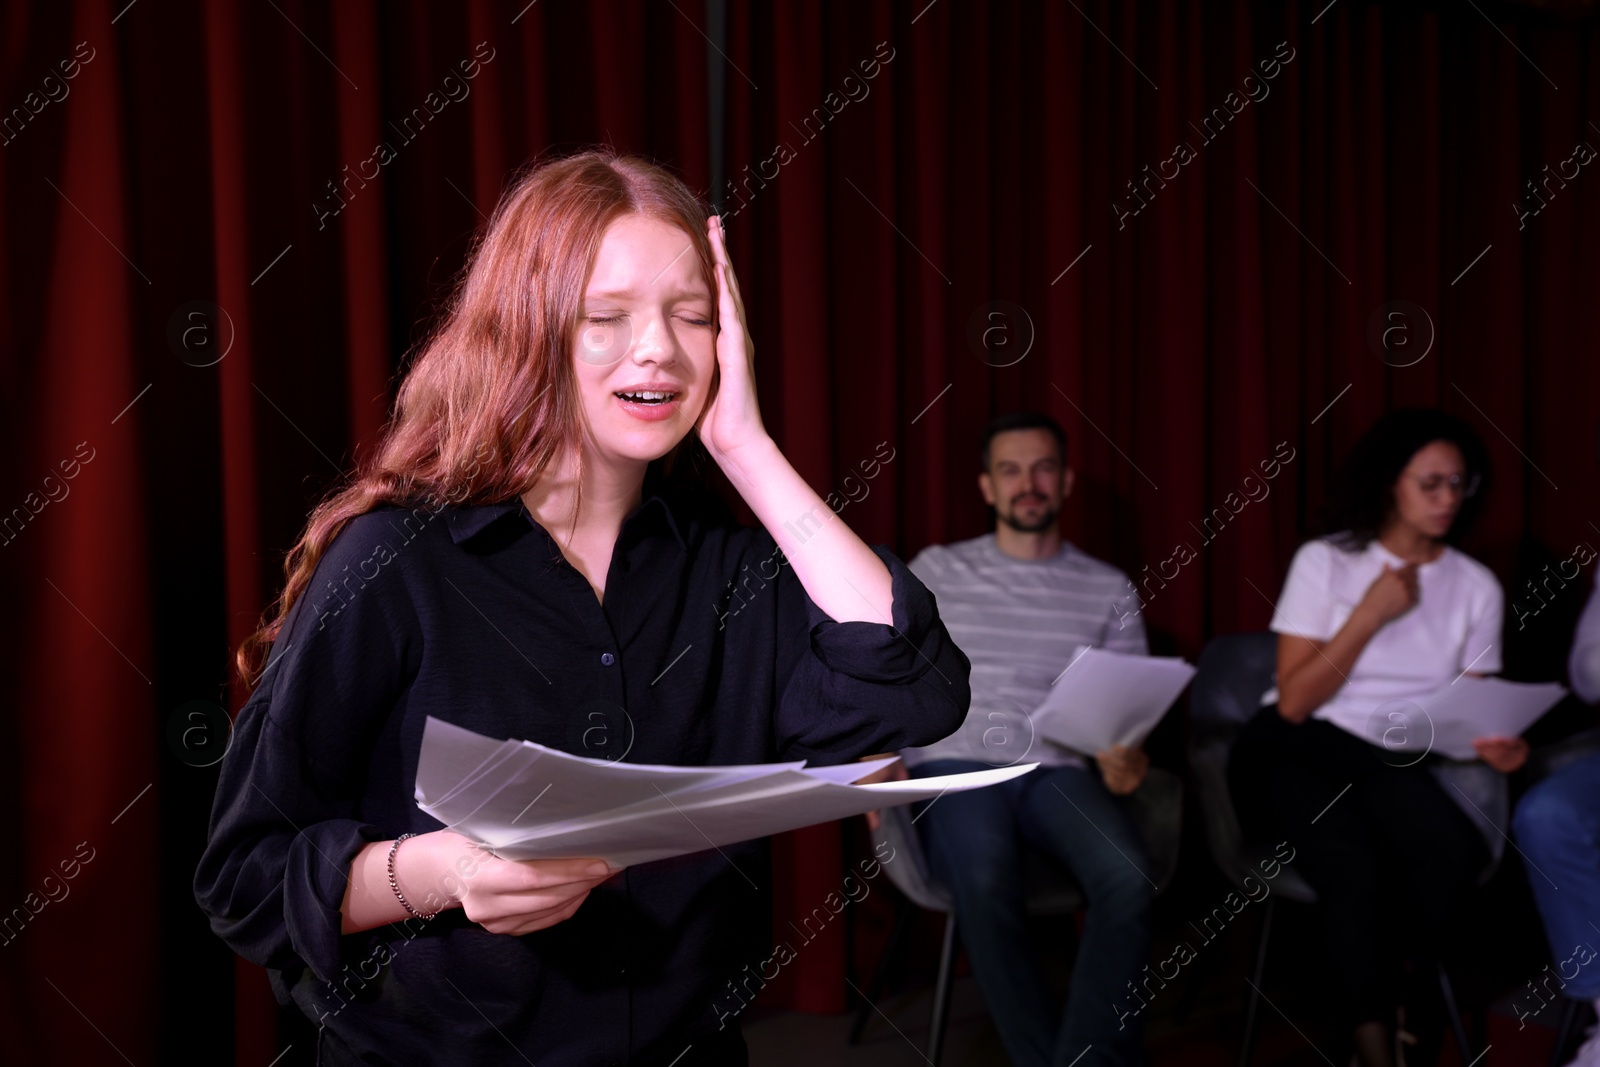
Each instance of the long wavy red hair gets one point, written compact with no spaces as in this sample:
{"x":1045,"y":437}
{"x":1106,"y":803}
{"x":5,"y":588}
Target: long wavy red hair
{"x":491,"y":397}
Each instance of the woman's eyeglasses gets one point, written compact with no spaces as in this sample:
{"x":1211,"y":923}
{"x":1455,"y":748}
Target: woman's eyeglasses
{"x":1464,"y":485}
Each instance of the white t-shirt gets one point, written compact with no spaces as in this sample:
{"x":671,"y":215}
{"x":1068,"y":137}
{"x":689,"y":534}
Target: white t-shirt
{"x":1454,"y":626}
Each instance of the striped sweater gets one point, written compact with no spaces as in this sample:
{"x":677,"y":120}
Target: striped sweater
{"x":1020,"y":622}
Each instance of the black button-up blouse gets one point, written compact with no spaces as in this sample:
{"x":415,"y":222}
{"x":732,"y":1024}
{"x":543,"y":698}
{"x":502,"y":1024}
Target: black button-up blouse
{"x":706,"y":650}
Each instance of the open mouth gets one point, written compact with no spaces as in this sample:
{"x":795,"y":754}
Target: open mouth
{"x":648,"y":398}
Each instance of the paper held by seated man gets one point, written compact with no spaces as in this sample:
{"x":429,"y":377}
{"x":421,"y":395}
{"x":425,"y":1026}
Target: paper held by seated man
{"x":1106,"y":698}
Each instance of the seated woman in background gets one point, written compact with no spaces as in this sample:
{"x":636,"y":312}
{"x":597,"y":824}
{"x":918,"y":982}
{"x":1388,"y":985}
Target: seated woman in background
{"x":1558,"y":829}
{"x":1371,"y":618}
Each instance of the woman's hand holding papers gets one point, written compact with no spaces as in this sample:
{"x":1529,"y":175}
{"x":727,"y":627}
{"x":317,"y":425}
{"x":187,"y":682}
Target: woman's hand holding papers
{"x":443,"y":869}
{"x":1504,"y":754}
{"x":1122,"y":768}
{"x":520,"y":896}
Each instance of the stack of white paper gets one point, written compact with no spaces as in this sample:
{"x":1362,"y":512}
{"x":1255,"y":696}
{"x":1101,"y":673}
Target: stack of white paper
{"x":1470,"y":707}
{"x":526,"y":801}
{"x":1110,"y":698}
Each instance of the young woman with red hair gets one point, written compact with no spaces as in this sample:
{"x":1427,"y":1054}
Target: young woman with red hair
{"x":575,"y":594}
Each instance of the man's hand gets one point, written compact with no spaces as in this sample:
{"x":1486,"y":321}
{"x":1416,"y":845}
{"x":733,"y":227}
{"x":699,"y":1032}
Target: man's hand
{"x":894,"y":772}
{"x":1122,"y":768}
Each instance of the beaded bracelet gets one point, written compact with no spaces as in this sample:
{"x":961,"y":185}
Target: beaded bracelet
{"x":396,"y":885}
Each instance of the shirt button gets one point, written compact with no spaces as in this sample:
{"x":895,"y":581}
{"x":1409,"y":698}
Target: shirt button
{"x":607,"y":658}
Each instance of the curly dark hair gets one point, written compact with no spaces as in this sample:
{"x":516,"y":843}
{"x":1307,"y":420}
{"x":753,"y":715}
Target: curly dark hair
{"x":1365,"y":497}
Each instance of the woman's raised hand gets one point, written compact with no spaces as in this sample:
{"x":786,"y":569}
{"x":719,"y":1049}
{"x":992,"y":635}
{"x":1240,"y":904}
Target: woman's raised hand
{"x":1392,"y":593}
{"x":732,"y":418}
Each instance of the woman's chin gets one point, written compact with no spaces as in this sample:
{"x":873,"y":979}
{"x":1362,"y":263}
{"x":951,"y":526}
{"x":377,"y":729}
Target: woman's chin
{"x":644,"y":447}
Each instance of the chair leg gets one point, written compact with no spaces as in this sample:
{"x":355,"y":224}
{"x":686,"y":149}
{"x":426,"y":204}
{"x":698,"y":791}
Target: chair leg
{"x":941,"y":991}
{"x":1458,"y":1026}
{"x":904,"y":914}
{"x":1569,"y":1020}
{"x":1247,"y":1044}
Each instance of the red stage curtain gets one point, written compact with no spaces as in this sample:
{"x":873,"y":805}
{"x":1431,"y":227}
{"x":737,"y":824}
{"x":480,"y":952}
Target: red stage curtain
{"x":221,"y":152}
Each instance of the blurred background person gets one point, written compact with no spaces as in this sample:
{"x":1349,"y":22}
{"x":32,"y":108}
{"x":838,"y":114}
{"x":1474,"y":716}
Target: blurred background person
{"x":1383,"y":611}
{"x":1557,"y":826}
{"x":1021,"y":602}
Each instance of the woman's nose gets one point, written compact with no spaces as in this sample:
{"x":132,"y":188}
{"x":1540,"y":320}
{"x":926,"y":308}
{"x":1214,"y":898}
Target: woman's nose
{"x":654,"y":342}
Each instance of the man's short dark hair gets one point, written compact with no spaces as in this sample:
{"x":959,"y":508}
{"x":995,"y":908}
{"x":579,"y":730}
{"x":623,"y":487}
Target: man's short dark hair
{"x":1024,"y":420}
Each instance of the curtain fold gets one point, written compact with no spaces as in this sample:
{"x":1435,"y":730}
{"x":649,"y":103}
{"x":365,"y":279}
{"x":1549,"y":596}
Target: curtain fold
{"x":84,"y":738}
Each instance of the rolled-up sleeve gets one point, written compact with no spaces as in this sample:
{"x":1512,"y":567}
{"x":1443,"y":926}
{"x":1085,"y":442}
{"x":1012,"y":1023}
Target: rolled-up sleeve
{"x":285,"y":824}
{"x":850,"y":689}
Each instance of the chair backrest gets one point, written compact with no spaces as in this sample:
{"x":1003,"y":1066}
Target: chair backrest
{"x":1232,"y":673}
{"x":908,"y":865}
{"x":1157,"y":810}
{"x":1549,"y":759}
{"x":1485,"y":795}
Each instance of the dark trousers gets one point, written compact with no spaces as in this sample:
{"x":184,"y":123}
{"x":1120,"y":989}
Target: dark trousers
{"x":1391,"y":856}
{"x":975,"y":843}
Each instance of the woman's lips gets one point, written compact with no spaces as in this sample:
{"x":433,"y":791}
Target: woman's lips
{"x":651,"y":412}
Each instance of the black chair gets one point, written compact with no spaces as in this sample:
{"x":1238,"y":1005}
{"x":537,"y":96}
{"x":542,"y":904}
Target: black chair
{"x":1157,"y":811}
{"x":1231,"y":676}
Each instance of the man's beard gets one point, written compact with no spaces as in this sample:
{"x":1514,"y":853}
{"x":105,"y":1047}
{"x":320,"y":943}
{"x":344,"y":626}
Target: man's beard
{"x":1046,"y":520}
